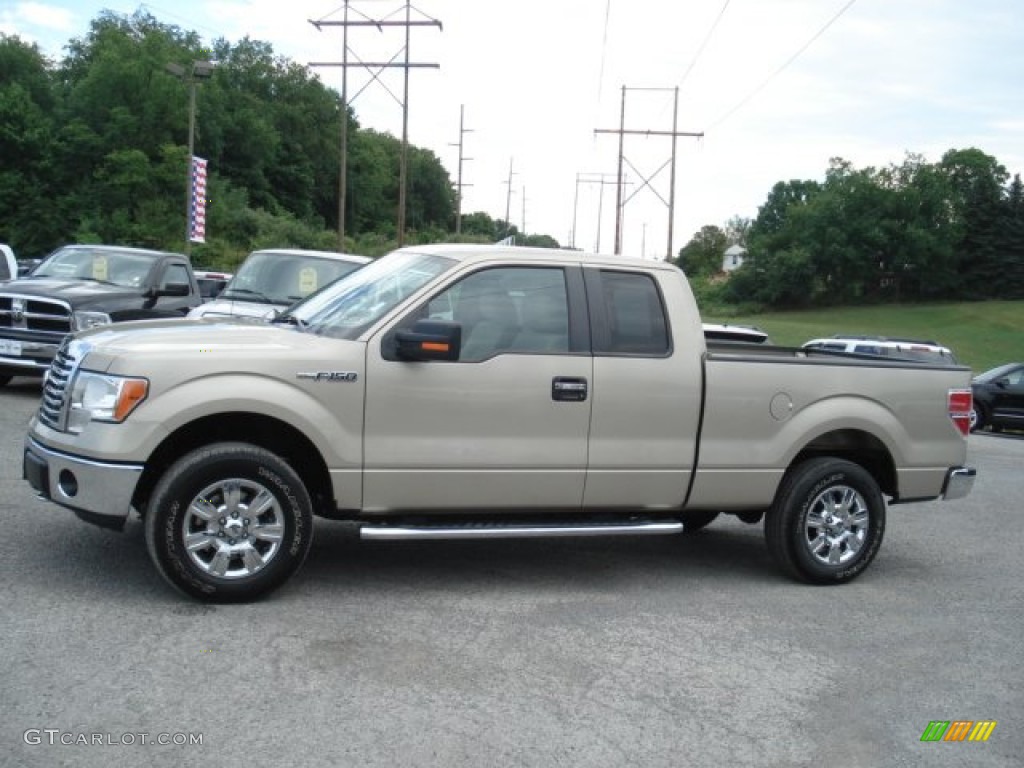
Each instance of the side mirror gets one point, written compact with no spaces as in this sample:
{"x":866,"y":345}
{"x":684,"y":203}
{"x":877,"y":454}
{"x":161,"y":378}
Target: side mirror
{"x":430,"y":340}
{"x":172,"y":289}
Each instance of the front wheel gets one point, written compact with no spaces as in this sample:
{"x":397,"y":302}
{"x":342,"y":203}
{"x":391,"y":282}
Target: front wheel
{"x":229,"y":522}
{"x":827,"y":521}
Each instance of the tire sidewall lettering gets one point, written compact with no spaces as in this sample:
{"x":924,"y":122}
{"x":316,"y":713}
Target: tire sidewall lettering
{"x":296,"y":516}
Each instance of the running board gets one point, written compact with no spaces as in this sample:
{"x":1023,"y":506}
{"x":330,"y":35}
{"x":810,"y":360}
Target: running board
{"x":499,"y":531}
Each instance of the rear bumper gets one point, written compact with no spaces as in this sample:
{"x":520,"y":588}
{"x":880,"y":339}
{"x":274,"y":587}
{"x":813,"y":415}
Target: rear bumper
{"x":98,"y":492}
{"x":959,"y":482}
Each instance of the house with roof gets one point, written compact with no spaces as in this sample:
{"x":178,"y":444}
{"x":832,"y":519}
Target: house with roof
{"x":733,"y":258}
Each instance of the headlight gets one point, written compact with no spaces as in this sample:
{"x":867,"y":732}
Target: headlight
{"x":99,"y":397}
{"x":86,"y":320}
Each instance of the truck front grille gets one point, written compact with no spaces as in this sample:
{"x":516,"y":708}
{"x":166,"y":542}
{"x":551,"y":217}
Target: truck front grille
{"x":53,"y":409}
{"x":25,"y":313}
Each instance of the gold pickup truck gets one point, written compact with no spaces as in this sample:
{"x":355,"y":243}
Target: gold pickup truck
{"x":456,"y":391}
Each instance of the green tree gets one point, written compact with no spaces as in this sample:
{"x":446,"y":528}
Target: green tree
{"x":1011,"y":242}
{"x":27,"y":146}
{"x":977,"y":181}
{"x":737,"y":230}
{"x":702,"y":256}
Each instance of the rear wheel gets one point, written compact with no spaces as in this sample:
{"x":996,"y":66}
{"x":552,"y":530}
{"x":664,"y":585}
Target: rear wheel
{"x":827,"y":521}
{"x":229,"y":523}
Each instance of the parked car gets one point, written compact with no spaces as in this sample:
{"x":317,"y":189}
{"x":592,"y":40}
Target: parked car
{"x":742,"y":334}
{"x":82,"y":286}
{"x":270,"y":281}
{"x":8,"y":264}
{"x":999,"y":398}
{"x":884,"y":346}
{"x":211,"y":284}
{"x":25,"y":266}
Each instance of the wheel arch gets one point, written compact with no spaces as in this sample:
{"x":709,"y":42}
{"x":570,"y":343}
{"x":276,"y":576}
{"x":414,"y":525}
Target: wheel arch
{"x":857,"y":446}
{"x":267,"y":432}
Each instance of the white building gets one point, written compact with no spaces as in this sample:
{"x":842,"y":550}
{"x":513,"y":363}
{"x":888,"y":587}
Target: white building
{"x":733,"y":258}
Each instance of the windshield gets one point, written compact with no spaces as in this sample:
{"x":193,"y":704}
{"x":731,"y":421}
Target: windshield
{"x":267,"y":277}
{"x":350,"y":306}
{"x":996,"y":373}
{"x":128,"y":269}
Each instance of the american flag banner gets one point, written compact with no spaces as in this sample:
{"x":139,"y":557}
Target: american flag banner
{"x":197,"y":211}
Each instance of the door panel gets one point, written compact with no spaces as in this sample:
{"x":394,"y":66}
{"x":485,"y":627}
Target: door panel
{"x":505,"y":429}
{"x":646,"y":393}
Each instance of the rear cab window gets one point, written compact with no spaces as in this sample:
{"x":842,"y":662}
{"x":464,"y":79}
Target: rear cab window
{"x":627,"y":314}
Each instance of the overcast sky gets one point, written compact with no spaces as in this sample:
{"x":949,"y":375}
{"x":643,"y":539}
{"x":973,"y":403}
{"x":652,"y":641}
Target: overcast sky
{"x":870,"y":81}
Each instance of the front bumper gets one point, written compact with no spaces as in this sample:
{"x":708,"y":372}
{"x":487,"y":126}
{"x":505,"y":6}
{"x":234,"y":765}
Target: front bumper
{"x":34,"y":359}
{"x":959,"y":482}
{"x":98,"y":492}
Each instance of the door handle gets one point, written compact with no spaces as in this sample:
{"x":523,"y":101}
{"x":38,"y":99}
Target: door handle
{"x":569,"y":389}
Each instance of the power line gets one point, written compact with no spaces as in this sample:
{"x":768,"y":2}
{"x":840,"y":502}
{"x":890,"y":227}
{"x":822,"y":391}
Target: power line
{"x":604,"y":53}
{"x":704,"y":44}
{"x":778,"y":71}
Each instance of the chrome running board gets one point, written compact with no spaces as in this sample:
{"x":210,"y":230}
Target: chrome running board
{"x":511,"y":531}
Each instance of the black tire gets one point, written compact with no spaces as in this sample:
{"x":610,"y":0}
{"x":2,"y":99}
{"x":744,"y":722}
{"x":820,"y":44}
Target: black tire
{"x":694,"y":521}
{"x":980,"y":418}
{"x":254,"y":523}
{"x":833,"y":549}
{"x":5,"y":380}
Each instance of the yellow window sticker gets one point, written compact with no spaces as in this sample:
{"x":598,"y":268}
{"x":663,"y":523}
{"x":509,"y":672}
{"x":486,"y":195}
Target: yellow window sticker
{"x":99,"y":267}
{"x":307,"y":280}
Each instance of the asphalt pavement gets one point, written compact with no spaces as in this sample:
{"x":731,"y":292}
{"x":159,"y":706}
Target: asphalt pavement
{"x":651,"y":651}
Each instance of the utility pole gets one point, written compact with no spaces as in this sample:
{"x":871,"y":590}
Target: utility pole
{"x":675,"y":133}
{"x":523,"y":229}
{"x":508,"y":198}
{"x":591,"y":178}
{"x":189,"y":202}
{"x":459,"y":185}
{"x":375,"y":68}
{"x":198,"y":70}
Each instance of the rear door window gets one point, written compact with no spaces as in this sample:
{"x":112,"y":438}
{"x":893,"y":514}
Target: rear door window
{"x":632,"y":315}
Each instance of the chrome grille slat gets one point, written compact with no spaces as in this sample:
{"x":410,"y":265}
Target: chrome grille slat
{"x":34,"y":314}
{"x":53,"y":408}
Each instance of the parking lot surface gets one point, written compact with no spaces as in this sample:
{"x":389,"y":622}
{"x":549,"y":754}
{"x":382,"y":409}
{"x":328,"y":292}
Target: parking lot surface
{"x":673,"y":651}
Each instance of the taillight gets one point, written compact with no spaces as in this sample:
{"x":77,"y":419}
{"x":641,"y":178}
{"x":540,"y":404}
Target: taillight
{"x":961,"y":402}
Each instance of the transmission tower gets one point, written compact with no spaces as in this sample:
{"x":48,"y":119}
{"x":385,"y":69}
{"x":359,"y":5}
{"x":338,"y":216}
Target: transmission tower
{"x":375,"y":68}
{"x":621,"y":131}
{"x":590,"y":178}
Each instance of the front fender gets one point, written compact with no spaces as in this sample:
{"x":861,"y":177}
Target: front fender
{"x":335,"y":427}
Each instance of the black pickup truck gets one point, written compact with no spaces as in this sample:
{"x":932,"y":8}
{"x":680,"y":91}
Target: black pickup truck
{"x":83,"y":286}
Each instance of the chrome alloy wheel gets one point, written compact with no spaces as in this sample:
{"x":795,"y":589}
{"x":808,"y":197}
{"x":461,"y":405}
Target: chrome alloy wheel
{"x":233,"y":528}
{"x":836,"y":525}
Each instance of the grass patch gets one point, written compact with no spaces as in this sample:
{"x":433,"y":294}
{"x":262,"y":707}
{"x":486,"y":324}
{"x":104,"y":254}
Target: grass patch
{"x":981,"y":334}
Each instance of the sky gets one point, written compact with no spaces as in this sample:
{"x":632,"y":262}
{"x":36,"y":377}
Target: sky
{"x":775,"y":88}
